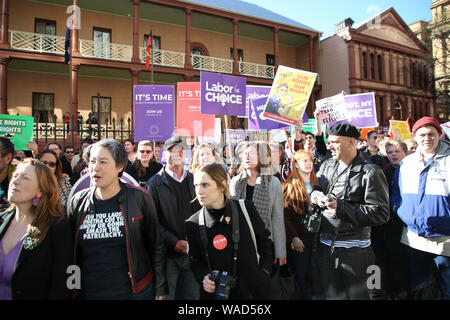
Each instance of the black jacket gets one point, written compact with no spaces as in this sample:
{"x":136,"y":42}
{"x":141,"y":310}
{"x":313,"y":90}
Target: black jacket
{"x":364,"y":203}
{"x":172,"y":225}
{"x":145,"y":249}
{"x":252,"y":282}
{"x":40,"y":273}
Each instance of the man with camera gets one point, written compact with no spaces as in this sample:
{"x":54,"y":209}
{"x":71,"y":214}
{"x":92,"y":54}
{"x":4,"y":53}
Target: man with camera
{"x":353,"y":197}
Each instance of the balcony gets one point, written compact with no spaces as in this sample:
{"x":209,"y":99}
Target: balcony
{"x":42,"y":43}
{"x":164,"y":58}
{"x":206,"y":63}
{"x":35,"y":42}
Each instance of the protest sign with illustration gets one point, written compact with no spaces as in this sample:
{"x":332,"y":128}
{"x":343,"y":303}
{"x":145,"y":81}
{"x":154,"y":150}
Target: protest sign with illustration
{"x":400,"y":130}
{"x":289,"y":95}
{"x":222,"y":94}
{"x":254,"y":92}
{"x":446,"y":128}
{"x":256,"y":121}
{"x":190,"y":121}
{"x":154,"y":114}
{"x":18,"y":128}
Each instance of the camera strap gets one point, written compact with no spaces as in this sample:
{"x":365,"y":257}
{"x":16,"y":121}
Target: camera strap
{"x":234,"y":235}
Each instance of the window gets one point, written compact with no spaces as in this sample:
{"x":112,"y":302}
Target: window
{"x":102,"y":38}
{"x":43,"y":26}
{"x":372,"y":66}
{"x":364,"y":63}
{"x":43,"y":105}
{"x":105,"y":108}
{"x":156,"y":41}
{"x":240,"y":53}
{"x":270,"y":59}
{"x":380,"y":67}
{"x":425,"y":78}
{"x":47,"y":27}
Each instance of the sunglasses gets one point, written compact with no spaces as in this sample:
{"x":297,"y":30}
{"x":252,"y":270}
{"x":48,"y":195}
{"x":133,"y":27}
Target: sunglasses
{"x":69,"y":151}
{"x":50,"y":164}
{"x":145,"y":151}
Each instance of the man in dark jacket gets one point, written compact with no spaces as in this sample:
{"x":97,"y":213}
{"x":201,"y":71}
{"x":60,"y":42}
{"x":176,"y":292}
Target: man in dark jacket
{"x":357,"y":199}
{"x":172,"y":190}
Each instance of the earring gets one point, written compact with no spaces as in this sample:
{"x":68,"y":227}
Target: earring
{"x":36,"y":199}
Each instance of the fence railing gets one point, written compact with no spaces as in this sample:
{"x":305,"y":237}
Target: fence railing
{"x":164,"y":58}
{"x":206,"y":63}
{"x":256,"y":70}
{"x":43,"y":43}
{"x":36,"y":42}
{"x":105,"y":50}
{"x":73,"y":133}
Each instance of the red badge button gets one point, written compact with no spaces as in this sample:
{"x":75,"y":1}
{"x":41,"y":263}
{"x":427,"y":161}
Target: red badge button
{"x":220,"y":242}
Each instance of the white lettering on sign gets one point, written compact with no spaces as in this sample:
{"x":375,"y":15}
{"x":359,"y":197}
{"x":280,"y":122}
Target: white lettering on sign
{"x":223,"y":94}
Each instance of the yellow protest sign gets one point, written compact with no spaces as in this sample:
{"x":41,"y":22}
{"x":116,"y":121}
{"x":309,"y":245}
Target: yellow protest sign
{"x":400,"y":130}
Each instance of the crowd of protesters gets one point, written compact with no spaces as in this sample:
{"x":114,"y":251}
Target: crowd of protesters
{"x":351,"y":218}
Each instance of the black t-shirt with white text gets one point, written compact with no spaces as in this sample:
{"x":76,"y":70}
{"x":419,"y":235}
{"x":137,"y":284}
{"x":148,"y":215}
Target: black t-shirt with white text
{"x":103,"y":252}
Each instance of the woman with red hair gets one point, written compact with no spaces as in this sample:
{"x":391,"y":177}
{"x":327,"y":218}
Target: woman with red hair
{"x":296,"y":192}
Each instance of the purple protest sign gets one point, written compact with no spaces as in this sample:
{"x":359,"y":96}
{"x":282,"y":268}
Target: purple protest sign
{"x":254,"y":92}
{"x":236,"y":136}
{"x":154,"y":112}
{"x":222,"y":94}
{"x":256,"y":121}
{"x":361,"y":110}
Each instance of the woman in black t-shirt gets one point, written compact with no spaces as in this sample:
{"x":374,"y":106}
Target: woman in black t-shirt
{"x":117,"y":241}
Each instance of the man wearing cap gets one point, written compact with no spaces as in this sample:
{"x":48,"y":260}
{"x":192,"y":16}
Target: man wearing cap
{"x":357,"y":199}
{"x":172,"y":189}
{"x":420,"y":195}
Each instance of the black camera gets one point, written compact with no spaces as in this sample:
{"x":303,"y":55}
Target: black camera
{"x":313,"y":219}
{"x":224,"y":283}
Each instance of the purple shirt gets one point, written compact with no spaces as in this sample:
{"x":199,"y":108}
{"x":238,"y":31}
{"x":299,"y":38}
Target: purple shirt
{"x":7,"y":263}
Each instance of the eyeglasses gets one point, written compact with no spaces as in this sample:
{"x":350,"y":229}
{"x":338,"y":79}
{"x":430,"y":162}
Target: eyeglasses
{"x":145,"y":151}
{"x":71,"y":151}
{"x":50,"y":164}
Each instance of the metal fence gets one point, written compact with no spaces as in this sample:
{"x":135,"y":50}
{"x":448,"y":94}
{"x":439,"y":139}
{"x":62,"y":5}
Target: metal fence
{"x":74,"y":132}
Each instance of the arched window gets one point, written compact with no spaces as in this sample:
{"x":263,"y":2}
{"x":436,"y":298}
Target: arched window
{"x":198,"y":51}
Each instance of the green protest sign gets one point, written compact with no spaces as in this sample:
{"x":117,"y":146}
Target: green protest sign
{"x":310,"y":126}
{"x":18,"y":128}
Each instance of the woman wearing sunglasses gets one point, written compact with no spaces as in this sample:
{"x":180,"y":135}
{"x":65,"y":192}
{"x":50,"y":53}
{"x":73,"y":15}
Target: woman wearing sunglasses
{"x":52,"y":161}
{"x":145,"y":165}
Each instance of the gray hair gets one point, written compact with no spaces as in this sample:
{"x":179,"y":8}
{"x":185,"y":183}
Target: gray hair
{"x":116,"y":149}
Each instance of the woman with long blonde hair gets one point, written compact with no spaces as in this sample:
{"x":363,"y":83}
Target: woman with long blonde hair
{"x":296,"y":192}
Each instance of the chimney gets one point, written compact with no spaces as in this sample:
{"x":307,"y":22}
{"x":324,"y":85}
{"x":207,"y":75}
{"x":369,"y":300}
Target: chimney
{"x":344,"y":24}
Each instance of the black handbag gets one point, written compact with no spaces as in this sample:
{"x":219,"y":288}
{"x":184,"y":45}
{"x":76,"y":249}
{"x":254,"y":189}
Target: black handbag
{"x":288,"y":288}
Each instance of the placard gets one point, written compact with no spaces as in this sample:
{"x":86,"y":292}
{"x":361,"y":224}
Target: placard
{"x":19,"y":129}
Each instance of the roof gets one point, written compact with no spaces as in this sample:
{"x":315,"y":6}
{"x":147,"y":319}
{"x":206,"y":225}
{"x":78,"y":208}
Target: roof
{"x":251,"y":10}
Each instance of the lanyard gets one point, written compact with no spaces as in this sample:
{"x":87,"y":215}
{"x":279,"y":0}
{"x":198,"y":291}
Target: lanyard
{"x":235,"y":236}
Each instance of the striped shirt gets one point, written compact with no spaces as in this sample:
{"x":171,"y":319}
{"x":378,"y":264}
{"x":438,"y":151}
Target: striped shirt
{"x":347,"y":243}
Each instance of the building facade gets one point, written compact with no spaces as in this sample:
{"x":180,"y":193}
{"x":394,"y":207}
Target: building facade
{"x":109,"y":51}
{"x":381,"y":55}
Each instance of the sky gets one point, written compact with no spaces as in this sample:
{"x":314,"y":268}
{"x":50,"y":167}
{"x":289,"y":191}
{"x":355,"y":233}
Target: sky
{"x":323,"y":15}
